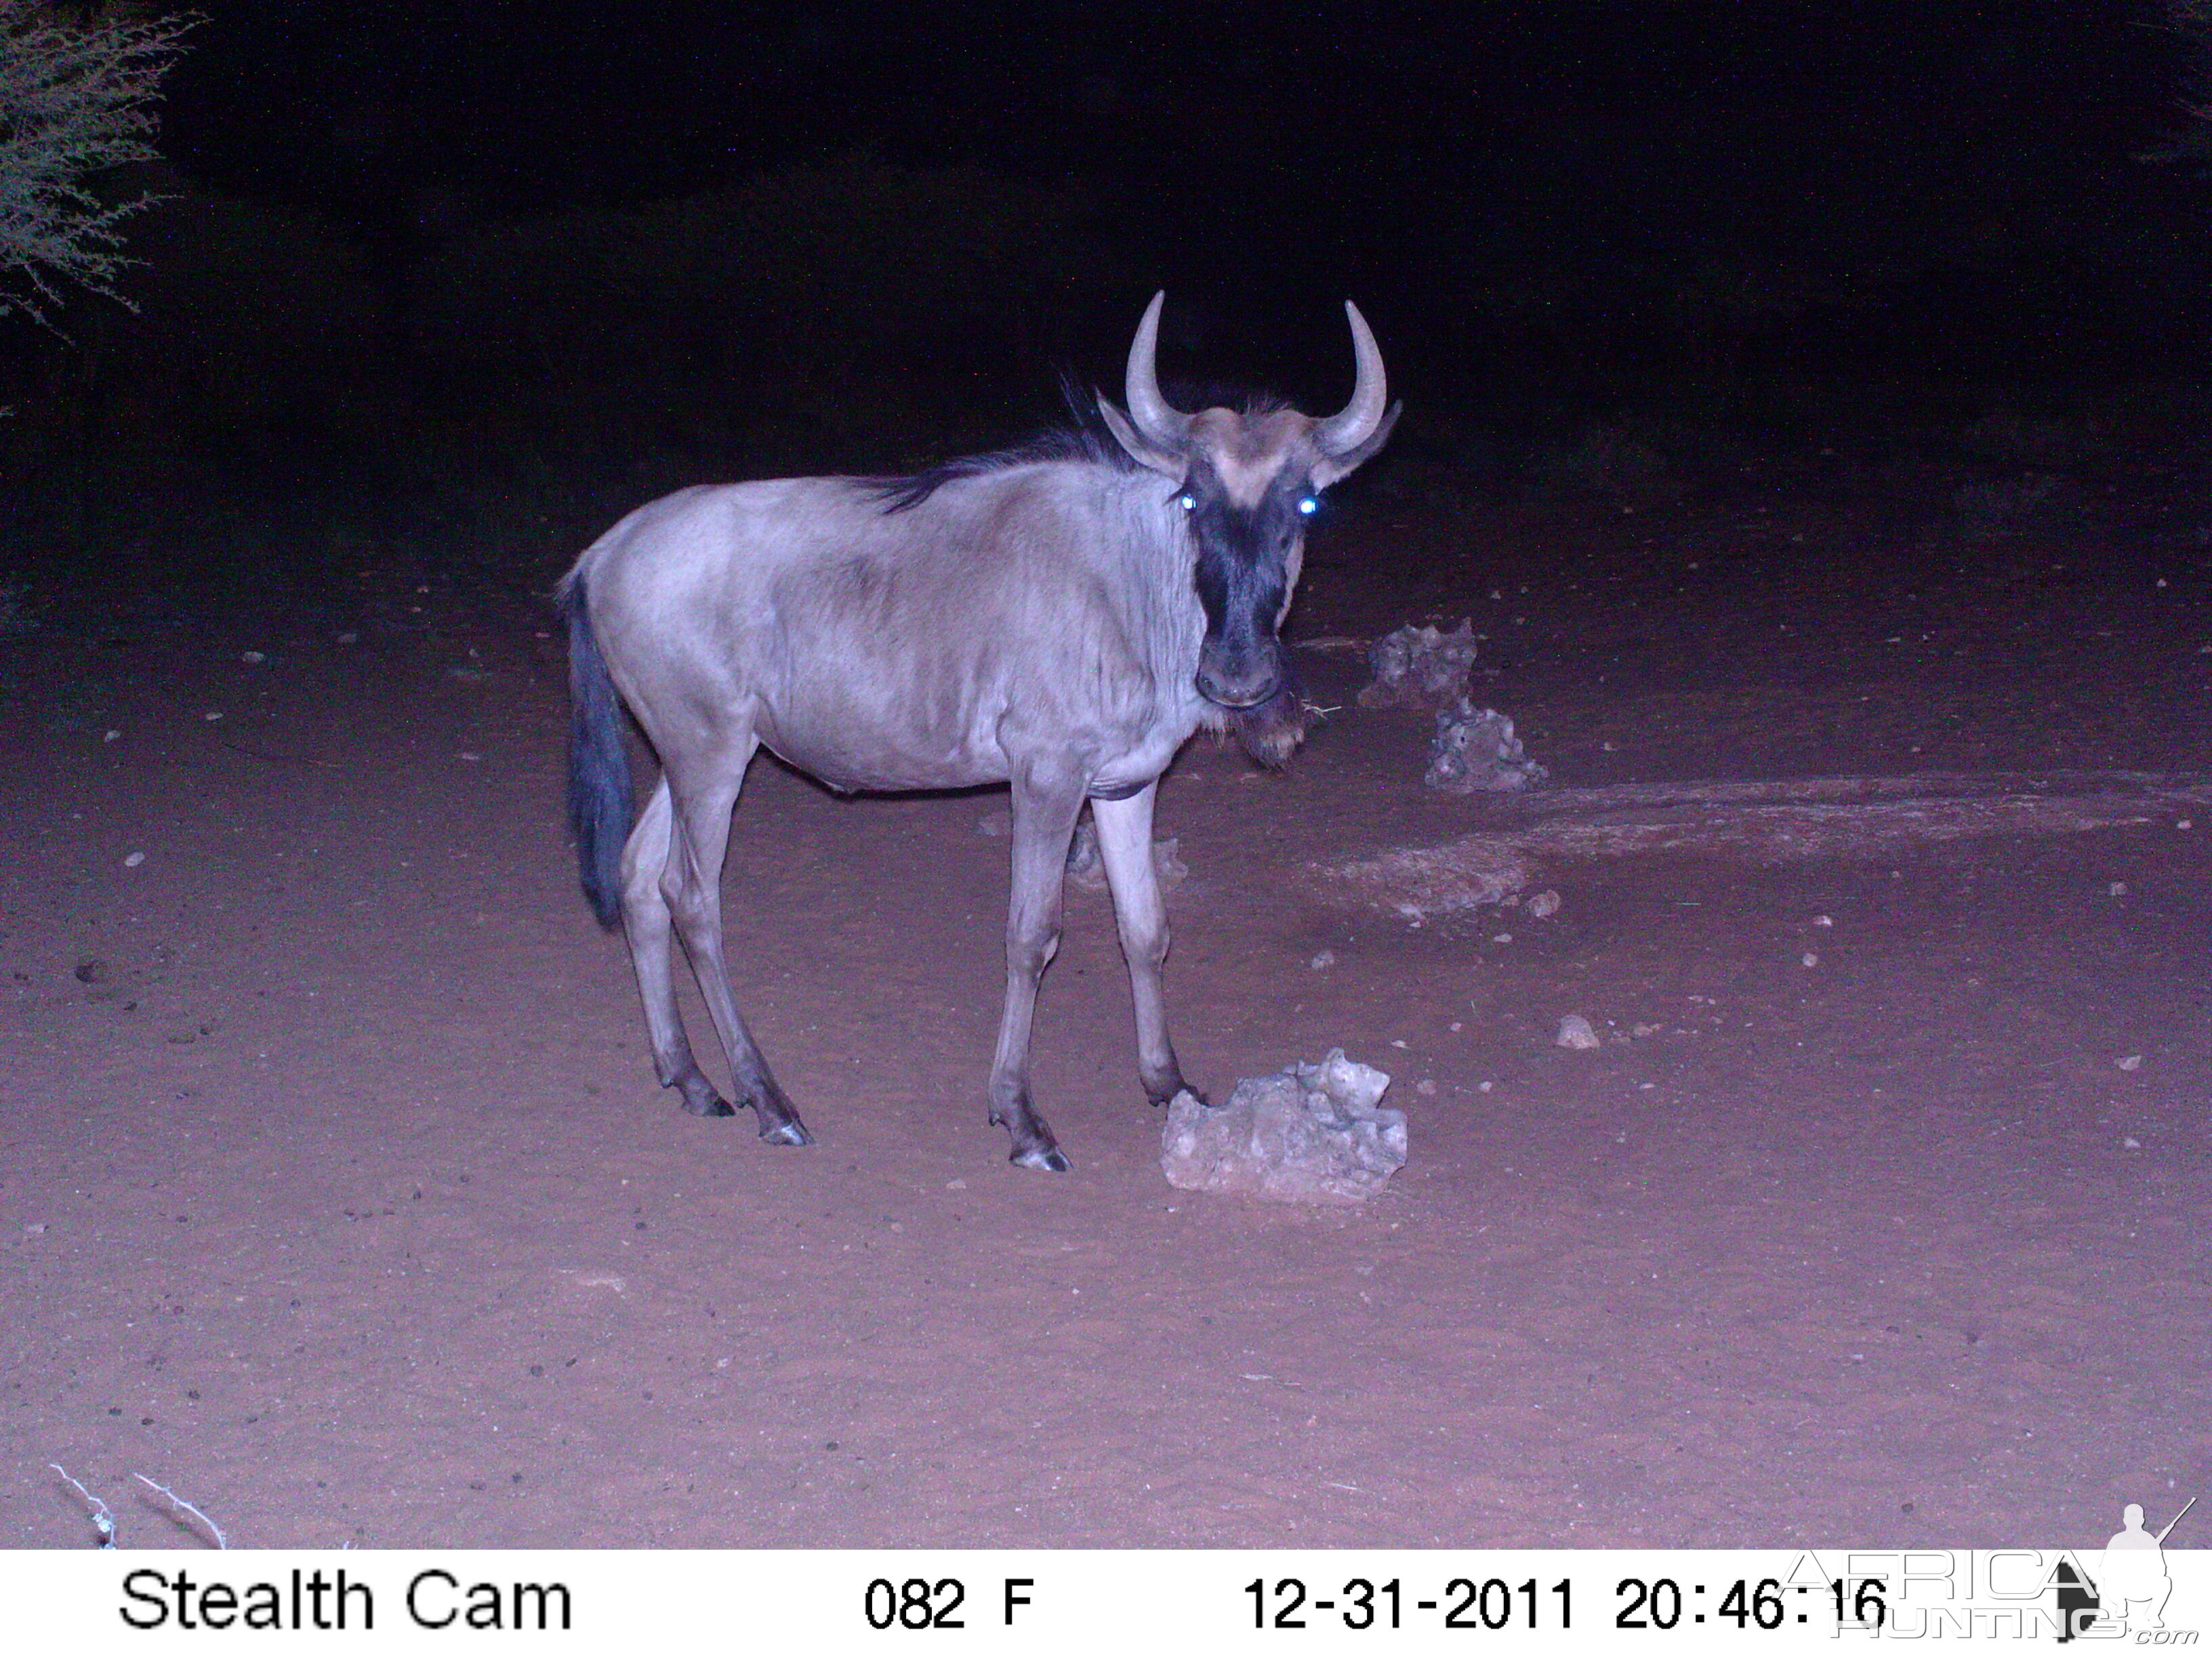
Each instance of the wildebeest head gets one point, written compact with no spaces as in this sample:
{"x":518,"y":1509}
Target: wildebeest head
{"x":1248,"y":480}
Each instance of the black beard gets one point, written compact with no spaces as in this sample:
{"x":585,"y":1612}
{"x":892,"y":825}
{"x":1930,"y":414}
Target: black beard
{"x":1271,"y":732}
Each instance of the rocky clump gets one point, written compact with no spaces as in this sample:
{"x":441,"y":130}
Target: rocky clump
{"x":1311,"y":1134}
{"x":1419,"y":667}
{"x":1086,"y":866}
{"x":1476,"y":750}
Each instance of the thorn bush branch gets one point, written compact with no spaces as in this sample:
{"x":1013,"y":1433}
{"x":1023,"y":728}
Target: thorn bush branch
{"x":103,"y":1518}
{"x":76,"y":102}
{"x":189,"y":1508}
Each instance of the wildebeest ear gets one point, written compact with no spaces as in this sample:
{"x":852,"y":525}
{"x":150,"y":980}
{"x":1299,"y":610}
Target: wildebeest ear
{"x":1146,"y":452}
{"x":1330,"y":468}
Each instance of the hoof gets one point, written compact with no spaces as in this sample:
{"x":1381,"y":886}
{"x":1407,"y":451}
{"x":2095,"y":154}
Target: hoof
{"x":1162,"y":1090}
{"x":707,"y":1103}
{"x":791,"y":1134}
{"x":1050,"y":1159}
{"x":1185,"y":1093}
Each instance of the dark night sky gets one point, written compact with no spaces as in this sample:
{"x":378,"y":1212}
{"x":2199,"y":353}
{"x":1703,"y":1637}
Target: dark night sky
{"x":1572,"y":195}
{"x":1595,"y":111}
{"x":1400,"y":154}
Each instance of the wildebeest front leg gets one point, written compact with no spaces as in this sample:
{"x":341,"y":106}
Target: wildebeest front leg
{"x":1125,"y":843}
{"x":1044,"y":824}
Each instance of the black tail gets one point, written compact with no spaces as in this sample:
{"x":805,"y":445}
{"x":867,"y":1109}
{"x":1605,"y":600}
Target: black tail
{"x":600,"y":808}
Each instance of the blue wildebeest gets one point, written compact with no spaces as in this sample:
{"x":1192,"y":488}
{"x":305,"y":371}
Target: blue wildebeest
{"x":1050,"y":617}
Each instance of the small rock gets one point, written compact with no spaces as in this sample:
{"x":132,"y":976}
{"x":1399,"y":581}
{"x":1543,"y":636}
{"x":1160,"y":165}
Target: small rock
{"x":1084,"y":858}
{"x":2117,"y":889}
{"x":1476,"y":750}
{"x":1645,"y":1028}
{"x":92,"y":971}
{"x":1419,"y":882}
{"x":1086,"y":867}
{"x":1311,"y":1134}
{"x":1824,"y":922}
{"x":252,"y":659}
{"x":1419,"y":667}
{"x":1545,"y":903}
{"x":956,"y":1185}
{"x":1811,"y":959}
{"x":1575,"y":1032}
{"x":2130,"y":1144}
{"x":1425,"y":1086}
{"x":349,"y":638}
{"x":111,"y":737}
{"x":2132,"y":1063}
{"x":1323,"y":959}
{"x":133,"y":860}
{"x":212,"y":715}
{"x":1166,"y":861}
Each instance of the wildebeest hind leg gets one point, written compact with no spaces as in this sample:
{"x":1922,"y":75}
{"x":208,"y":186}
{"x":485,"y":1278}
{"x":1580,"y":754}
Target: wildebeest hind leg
{"x":646,"y":924}
{"x":694,"y":887}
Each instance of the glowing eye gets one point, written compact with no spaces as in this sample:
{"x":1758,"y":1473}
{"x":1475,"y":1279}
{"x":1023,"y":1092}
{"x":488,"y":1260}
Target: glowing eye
{"x":1309,"y":506}
{"x":1190,"y":503}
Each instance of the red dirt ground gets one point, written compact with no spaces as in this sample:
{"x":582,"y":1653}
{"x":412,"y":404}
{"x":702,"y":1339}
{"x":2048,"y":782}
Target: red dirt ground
{"x":337,"y":1194}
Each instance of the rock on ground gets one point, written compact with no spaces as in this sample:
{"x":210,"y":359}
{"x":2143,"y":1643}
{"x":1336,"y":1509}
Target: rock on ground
{"x":1086,"y":866}
{"x":1417,"y":883}
{"x":1475,"y":748}
{"x":1419,"y":667}
{"x":1311,"y":1134}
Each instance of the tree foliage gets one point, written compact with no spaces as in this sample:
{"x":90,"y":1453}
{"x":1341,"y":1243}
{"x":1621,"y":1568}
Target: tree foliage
{"x":76,"y":101}
{"x":2192,"y":20}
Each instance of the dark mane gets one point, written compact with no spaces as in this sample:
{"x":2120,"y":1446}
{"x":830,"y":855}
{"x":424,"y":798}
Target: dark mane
{"x":1057,"y":443}
{"x":1084,"y":438}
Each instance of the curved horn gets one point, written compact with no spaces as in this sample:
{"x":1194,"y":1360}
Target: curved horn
{"x":1355,"y":423}
{"x":1154,"y":417}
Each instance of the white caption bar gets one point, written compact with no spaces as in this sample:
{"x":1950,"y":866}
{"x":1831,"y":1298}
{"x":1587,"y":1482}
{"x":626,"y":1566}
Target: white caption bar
{"x":986,"y":1601}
